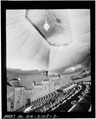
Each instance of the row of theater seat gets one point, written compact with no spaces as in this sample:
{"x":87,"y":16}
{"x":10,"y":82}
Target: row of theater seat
{"x":61,"y":100}
{"x":64,"y":107}
{"x":66,"y":102}
{"x":39,"y":102}
{"x":85,"y":99}
{"x":55,"y":98}
{"x":47,"y":97}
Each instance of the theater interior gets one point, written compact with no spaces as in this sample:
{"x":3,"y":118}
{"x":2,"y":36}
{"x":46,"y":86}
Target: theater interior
{"x":48,"y":60}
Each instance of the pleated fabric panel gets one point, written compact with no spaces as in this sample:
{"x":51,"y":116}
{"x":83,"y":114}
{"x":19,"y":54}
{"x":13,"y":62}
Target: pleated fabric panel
{"x":28,"y":50}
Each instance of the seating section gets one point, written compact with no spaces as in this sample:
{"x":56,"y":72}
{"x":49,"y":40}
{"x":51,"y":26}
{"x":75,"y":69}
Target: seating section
{"x":73,"y":97}
{"x":84,"y":102}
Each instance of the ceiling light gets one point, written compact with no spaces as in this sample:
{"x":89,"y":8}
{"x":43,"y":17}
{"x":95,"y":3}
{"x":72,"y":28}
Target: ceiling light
{"x":46,"y":26}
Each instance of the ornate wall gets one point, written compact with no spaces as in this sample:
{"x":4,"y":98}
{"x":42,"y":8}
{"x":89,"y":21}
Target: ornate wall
{"x":19,"y":99}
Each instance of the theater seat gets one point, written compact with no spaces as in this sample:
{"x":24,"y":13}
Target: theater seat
{"x":80,"y":96}
{"x":74,"y":102}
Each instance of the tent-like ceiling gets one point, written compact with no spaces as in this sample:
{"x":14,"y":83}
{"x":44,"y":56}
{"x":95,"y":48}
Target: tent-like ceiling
{"x":30,"y":46}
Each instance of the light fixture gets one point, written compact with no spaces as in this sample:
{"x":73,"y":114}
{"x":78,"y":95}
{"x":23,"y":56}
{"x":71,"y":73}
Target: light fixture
{"x":46,"y":26}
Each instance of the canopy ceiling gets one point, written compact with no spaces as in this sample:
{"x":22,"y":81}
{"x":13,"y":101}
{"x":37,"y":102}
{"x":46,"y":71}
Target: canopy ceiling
{"x":31,"y":47}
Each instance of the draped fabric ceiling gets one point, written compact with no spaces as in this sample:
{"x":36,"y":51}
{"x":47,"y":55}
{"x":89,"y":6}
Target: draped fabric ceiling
{"x":28,"y":50}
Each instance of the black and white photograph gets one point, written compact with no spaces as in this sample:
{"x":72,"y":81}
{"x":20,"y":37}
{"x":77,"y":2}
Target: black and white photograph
{"x":48,"y":61}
